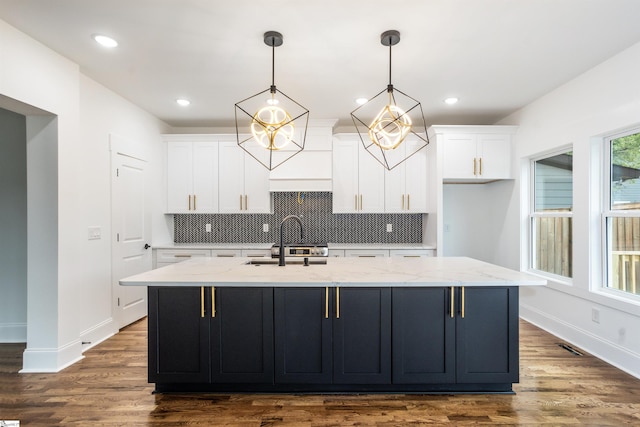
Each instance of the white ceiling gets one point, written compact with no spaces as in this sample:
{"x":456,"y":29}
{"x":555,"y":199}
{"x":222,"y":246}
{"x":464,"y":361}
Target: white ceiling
{"x":495,"y":55}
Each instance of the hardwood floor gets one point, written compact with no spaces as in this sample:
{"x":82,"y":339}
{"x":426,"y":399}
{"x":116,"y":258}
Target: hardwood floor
{"x":109,"y":388}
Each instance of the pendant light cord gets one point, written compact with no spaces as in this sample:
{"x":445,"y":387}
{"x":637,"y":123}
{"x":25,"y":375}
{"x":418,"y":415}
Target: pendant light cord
{"x":389,"y":60}
{"x":273,"y":62}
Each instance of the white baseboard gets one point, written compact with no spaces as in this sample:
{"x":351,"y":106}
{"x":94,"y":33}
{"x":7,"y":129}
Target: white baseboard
{"x":50,"y":360}
{"x":13,"y":332}
{"x":98,"y":333}
{"x":610,"y":352}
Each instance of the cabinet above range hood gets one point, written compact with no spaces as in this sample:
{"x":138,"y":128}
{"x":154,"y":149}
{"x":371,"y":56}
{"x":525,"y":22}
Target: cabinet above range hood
{"x":309,"y":170}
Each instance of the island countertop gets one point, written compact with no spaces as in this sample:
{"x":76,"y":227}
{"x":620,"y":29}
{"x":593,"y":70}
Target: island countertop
{"x":342,"y":272}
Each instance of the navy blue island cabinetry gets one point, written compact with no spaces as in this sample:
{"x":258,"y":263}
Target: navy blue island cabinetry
{"x":333,"y":339}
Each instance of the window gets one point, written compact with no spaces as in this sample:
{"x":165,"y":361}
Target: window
{"x":622,"y":212}
{"x":551,"y":214}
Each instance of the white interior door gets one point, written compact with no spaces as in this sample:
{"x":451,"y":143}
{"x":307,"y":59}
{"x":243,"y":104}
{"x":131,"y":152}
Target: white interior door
{"x":131,"y":226}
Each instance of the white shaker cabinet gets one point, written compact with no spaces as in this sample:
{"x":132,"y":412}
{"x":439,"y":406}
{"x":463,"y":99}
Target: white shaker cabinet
{"x":244,"y":182}
{"x":358,"y":178}
{"x":405,"y":185}
{"x":476,"y":156}
{"x":192,"y":175}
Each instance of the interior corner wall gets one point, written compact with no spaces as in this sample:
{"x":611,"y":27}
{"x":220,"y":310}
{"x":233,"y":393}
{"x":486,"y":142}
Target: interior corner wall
{"x":13,"y":227}
{"x":603,"y":100}
{"x":68,"y":189}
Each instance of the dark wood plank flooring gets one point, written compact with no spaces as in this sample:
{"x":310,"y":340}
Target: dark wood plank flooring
{"x":109,"y":388}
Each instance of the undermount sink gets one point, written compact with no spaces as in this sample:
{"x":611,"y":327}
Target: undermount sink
{"x":274,"y":261}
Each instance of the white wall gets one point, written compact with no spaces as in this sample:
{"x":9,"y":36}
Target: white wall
{"x":13,"y":227}
{"x":602,"y":100}
{"x":68,"y":159}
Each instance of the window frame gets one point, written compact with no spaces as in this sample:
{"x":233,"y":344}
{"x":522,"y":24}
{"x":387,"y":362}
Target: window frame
{"x":532,"y":215}
{"x":608,"y":213}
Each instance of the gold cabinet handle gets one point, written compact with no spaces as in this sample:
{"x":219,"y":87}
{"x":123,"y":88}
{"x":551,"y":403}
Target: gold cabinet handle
{"x":403,"y":202}
{"x":181,"y":256}
{"x":213,"y":301}
{"x":246,"y":202}
{"x":189,"y":201}
{"x":452,"y":301}
{"x":194,"y":202}
{"x":361,"y":202}
{"x":462,"y":302}
{"x":337,"y":302}
{"x":480,"y":165}
{"x":326,"y":302}
{"x":474,"y":167}
{"x":408,"y":202}
{"x":201,"y":301}
{"x":241,"y":202}
{"x":355,"y":201}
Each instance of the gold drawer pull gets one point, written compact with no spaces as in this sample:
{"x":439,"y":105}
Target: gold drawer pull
{"x":452,"y":301}
{"x":337,"y":303}
{"x":463,"y":302}
{"x":201,"y":301}
{"x":213,"y":301}
{"x":326,"y":302}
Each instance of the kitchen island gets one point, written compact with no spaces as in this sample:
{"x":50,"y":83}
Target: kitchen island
{"x":351,"y":325}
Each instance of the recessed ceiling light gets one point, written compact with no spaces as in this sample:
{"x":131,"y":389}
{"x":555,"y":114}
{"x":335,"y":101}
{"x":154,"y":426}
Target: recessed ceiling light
{"x":451,"y":100}
{"x":104,"y":40}
{"x":361,"y":101}
{"x":183,"y":102}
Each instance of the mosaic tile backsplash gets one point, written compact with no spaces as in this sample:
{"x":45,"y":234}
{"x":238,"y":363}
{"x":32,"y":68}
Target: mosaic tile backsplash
{"x":320,"y":225}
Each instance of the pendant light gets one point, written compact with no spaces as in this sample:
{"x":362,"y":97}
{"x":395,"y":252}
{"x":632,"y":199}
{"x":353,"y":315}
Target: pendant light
{"x":270,"y":126}
{"x":391,"y":125}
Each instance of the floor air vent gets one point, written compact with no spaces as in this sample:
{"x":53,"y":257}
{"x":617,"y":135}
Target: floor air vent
{"x":570,"y":349}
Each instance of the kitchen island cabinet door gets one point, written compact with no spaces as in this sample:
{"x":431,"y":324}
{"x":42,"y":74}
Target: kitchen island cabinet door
{"x":362,"y":336}
{"x":242,"y":335}
{"x":178,"y":335}
{"x":303,"y":318}
{"x":487,"y":335}
{"x":423,"y":336}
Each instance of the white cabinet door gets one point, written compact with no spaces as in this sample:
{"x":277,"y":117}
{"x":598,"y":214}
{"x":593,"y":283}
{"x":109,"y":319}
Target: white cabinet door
{"x":477,"y":156}
{"x":358,"y":178}
{"x":231,"y":167}
{"x":494,"y":153}
{"x":370,"y":182}
{"x":345,"y":175}
{"x":192,"y":177}
{"x":256,"y":187}
{"x":205,"y":177}
{"x":460,"y":157}
{"x":179,"y":176}
{"x":244,"y":182}
{"x":405,"y":185}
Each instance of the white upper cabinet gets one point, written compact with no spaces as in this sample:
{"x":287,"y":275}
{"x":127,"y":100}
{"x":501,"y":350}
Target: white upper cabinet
{"x":475,"y":153}
{"x":405,"y":185}
{"x":244,"y":182}
{"x":192,"y":175}
{"x":358,"y":178}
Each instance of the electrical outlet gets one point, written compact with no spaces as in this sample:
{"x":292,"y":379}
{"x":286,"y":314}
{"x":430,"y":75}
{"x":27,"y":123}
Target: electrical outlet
{"x":389,"y":228}
{"x":265,"y":228}
{"x":595,"y":315}
{"x":207,"y":228}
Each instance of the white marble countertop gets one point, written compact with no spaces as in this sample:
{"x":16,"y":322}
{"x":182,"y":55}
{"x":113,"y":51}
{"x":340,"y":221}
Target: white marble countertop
{"x":427,"y":271}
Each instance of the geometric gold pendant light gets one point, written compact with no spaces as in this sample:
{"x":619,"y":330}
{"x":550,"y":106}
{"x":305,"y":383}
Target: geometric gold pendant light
{"x":270,"y":126}
{"x":391,"y":125}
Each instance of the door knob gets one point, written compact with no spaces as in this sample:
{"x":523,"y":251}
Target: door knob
{"x":147,"y":246}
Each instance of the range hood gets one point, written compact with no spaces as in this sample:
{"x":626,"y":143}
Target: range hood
{"x":309,"y":170}
{"x":306,"y":171}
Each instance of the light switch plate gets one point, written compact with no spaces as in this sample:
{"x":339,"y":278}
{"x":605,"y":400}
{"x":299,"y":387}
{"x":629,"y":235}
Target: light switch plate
{"x":207,"y":228}
{"x":265,"y":228}
{"x":389,"y":228}
{"x":95,"y":233}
